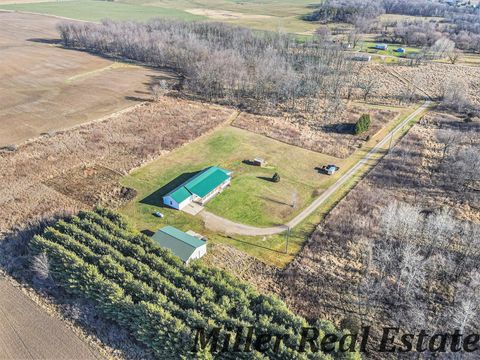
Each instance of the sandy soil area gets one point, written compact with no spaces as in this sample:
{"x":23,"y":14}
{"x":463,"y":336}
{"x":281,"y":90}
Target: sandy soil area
{"x":225,"y":14}
{"x":44,"y":87}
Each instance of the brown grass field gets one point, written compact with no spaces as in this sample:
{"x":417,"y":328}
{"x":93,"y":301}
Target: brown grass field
{"x":45,"y":88}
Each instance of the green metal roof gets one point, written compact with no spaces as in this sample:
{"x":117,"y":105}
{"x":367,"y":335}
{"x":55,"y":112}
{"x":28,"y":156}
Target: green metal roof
{"x":182,"y":244}
{"x":201,"y":184}
{"x":179,"y":194}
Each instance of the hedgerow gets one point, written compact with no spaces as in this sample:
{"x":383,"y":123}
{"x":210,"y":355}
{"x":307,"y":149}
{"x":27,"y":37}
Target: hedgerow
{"x":151,"y":293}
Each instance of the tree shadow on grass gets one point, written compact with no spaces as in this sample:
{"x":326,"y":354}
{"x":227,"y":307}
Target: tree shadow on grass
{"x":266,"y":178}
{"x":279,"y":202}
{"x":155,"y":198}
{"x":255,"y":244}
{"x":340,"y":128}
{"x":147,"y":232}
{"x":45,"y":41}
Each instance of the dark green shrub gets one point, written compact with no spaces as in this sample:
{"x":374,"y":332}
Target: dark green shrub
{"x":363,"y":124}
{"x":276,"y":177}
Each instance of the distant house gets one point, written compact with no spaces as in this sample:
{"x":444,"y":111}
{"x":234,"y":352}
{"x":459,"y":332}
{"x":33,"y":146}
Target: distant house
{"x":400,"y":50}
{"x":381,"y":46}
{"x":199,"y":189}
{"x":184,"y":245}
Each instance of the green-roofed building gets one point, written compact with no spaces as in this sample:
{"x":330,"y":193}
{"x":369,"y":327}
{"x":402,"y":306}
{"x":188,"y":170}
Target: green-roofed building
{"x":200,"y":188}
{"x":186,"y":246}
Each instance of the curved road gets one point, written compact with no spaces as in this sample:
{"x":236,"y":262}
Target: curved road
{"x":218,"y":223}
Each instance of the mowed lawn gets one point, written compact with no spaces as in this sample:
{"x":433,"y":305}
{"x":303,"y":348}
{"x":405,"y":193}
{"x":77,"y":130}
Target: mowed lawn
{"x":93,"y":10}
{"x":252,"y":197}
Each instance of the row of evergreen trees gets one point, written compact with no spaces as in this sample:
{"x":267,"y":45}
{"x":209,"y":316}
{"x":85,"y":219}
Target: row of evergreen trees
{"x":152,"y":294}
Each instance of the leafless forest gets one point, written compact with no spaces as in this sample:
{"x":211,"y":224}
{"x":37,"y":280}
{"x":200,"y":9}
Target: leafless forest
{"x":264,"y":72}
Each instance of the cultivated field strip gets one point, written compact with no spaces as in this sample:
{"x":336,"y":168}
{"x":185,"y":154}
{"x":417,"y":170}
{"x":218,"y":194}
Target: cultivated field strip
{"x":151,"y":293}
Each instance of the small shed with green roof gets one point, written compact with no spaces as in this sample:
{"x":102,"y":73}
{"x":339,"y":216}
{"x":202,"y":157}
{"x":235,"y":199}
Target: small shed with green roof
{"x":187,"y":247}
{"x":200,"y":188}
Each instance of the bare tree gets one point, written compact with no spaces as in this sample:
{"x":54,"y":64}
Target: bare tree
{"x":455,"y":95}
{"x":368,"y":86}
{"x":159,"y":89}
{"x":453,"y":56}
{"x":41,"y":266}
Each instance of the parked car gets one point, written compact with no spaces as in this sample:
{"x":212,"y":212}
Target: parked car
{"x":330,"y":169}
{"x":158,"y":214}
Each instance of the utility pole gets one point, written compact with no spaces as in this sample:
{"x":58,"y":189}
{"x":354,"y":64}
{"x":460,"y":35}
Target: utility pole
{"x":390,"y":145}
{"x":287,"y":238}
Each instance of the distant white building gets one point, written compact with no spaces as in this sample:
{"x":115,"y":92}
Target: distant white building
{"x":381,"y":46}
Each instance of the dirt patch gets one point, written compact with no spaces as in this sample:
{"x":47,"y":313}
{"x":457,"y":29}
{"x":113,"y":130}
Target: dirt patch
{"x":335,"y":139}
{"x":92,"y":185}
{"x":44,"y":87}
{"x":28,"y":332}
{"x":225,"y":14}
{"x":243,"y":266}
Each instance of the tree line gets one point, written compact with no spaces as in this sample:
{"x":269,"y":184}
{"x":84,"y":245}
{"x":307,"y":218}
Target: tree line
{"x":257,"y":71}
{"x":461,"y":24}
{"x":349,"y":10}
{"x":150,"y":293}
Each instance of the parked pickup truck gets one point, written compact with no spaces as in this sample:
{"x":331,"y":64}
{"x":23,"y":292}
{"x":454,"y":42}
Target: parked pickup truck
{"x":329,"y":169}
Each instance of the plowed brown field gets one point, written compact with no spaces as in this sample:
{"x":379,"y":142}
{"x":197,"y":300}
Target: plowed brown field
{"x":44,"y":87}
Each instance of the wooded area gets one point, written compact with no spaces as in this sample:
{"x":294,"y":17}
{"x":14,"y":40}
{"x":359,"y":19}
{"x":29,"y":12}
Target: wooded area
{"x":261,"y":72}
{"x":460,"y":24}
{"x":403,"y":247}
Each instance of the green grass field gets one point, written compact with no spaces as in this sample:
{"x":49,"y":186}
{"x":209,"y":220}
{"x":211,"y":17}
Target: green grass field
{"x":252,"y":198}
{"x":94,"y":10}
{"x":274,"y":14}
{"x":269,"y":15}
{"x":369,"y":47}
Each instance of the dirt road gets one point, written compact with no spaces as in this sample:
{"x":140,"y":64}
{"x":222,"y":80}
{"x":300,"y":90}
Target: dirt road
{"x":218,"y":223}
{"x":28,"y":332}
